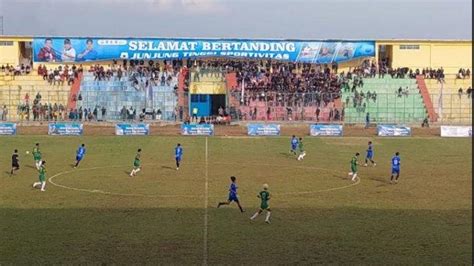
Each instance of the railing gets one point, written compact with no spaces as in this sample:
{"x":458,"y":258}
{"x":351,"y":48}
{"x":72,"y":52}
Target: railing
{"x":451,"y":108}
{"x":385,"y":108}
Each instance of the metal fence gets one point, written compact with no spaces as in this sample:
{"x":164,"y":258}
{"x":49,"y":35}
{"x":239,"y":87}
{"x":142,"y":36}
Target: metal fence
{"x":250,"y":106}
{"x":406,"y":108}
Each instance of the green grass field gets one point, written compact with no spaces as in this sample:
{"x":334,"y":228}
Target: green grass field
{"x":98,"y":214}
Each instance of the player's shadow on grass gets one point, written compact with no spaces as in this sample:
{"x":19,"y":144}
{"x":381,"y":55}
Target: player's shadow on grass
{"x":167,"y":167}
{"x":287,"y":155}
{"x":381,"y":180}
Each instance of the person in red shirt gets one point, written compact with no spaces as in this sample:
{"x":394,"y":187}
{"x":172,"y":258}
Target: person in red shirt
{"x":47,"y":53}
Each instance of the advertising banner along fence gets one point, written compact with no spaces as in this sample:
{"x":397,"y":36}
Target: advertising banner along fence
{"x":456,"y":131}
{"x":7,"y":129}
{"x":263,"y":129}
{"x":132,"y":129}
{"x":325,"y":130}
{"x":96,"y":49}
{"x":393,"y":131}
{"x":197,"y":129}
{"x":65,"y":129}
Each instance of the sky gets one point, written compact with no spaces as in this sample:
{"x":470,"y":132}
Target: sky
{"x":280,"y":19}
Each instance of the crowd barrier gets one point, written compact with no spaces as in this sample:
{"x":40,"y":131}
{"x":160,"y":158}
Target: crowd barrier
{"x":318,"y":130}
{"x":7,"y":129}
{"x":253,"y":129}
{"x":263,"y":129}
{"x":125,"y":129}
{"x":456,"y":131}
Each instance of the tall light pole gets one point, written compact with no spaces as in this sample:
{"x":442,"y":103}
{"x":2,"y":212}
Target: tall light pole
{"x":1,"y":25}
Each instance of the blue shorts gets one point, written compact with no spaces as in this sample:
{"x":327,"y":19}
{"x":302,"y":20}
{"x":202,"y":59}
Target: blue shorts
{"x":233,"y":198}
{"x":396,"y":171}
{"x":369,"y":155}
{"x":293,"y":148}
{"x":78,"y":158}
{"x":178,"y":159}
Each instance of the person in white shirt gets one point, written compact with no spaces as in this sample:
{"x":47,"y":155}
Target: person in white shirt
{"x":69,"y":53}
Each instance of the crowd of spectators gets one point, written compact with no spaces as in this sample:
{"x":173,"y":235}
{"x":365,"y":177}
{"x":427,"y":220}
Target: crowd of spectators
{"x":464,"y":73}
{"x":141,"y":74}
{"x":287,"y":84}
{"x":18,"y":70}
{"x":468,"y":92}
{"x":60,"y":75}
{"x":39,"y":111}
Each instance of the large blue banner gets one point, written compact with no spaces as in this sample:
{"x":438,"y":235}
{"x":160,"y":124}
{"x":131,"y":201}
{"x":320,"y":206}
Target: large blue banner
{"x":95,"y":49}
{"x":263,"y":129}
{"x":197,"y":129}
{"x":7,"y":129}
{"x":393,"y":131}
{"x":325,"y":130}
{"x":65,"y":129}
{"x":132,"y":129}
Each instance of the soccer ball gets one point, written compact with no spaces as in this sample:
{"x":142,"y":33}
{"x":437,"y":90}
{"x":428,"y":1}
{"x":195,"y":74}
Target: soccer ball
{"x":27,"y":152}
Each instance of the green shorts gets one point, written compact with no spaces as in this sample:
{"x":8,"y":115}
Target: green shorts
{"x":354,"y":169}
{"x":264,"y":206}
{"x":42,"y":178}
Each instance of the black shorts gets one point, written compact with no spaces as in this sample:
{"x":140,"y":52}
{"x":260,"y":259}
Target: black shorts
{"x":15,"y":165}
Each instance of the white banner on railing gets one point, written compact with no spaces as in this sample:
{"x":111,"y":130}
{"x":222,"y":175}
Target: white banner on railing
{"x":456,"y":131}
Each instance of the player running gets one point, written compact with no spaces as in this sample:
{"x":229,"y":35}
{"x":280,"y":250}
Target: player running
{"x":370,"y":155}
{"x":15,"y":162}
{"x":178,"y":154}
{"x":42,"y":177}
{"x":354,"y":164}
{"x":294,"y":144}
{"x":81,"y":151}
{"x":395,"y":167}
{"x":264,"y":196}
{"x":37,"y":156}
{"x":232,"y":195}
{"x":136,"y":164}
{"x":301,"y":149}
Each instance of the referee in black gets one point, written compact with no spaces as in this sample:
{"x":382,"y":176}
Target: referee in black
{"x":15,"y":162}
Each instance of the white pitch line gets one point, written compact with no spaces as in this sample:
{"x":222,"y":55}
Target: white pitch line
{"x":206,"y":202}
{"x":98,"y":191}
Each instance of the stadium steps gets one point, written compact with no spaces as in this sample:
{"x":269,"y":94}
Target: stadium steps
{"x":114,"y":95}
{"x":388,"y":108}
{"x":451,"y":107}
{"x":14,"y":89}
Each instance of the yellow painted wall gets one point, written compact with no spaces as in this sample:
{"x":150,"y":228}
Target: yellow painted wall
{"x":451,"y":55}
{"x":10,"y":54}
{"x":207,"y":88}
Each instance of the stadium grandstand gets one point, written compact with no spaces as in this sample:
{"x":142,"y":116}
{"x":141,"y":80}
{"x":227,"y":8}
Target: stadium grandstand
{"x":214,"y":81}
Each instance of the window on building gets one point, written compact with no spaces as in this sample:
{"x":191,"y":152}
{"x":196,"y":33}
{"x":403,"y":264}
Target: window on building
{"x":6,"y":43}
{"x":409,"y":47}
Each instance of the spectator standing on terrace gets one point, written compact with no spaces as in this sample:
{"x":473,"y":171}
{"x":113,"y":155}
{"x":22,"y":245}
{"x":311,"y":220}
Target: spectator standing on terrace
{"x":89,"y":53}
{"x":4,"y":113}
{"x":460,"y":93}
{"x":69,"y":53}
{"x":367,"y":120}
{"x":318,"y":111}
{"x":425,"y":123}
{"x":469,"y":92}
{"x":103,"y":112}
{"x":195,"y":112}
